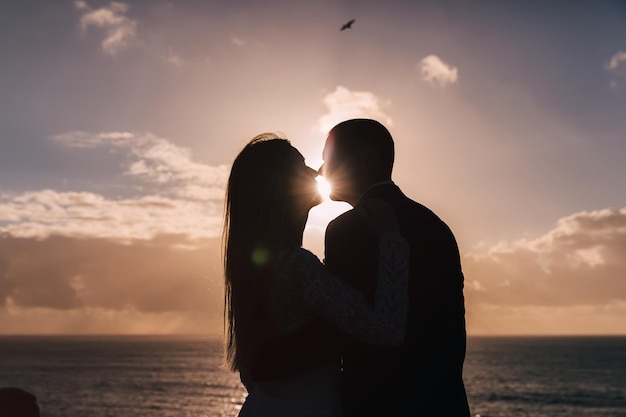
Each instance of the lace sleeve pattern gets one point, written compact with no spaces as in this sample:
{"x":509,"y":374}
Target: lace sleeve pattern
{"x":345,"y":307}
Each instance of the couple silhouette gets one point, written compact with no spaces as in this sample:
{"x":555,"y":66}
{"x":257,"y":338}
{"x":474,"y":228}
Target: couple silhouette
{"x":378,"y":328}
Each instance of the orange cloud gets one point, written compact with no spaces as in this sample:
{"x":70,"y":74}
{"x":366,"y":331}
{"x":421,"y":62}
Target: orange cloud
{"x":167,"y":276}
{"x":572,"y":275}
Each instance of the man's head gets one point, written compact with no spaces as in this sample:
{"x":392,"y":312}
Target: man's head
{"x":358,"y":153}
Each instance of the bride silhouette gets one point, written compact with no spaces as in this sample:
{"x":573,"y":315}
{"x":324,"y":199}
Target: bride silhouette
{"x":274,"y":287}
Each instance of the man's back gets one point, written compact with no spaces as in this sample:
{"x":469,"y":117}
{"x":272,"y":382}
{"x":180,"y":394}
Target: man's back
{"x":424,"y":375}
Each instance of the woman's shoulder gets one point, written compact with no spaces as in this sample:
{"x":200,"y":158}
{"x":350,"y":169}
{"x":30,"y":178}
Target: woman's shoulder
{"x":295,"y":265}
{"x":296,"y":255}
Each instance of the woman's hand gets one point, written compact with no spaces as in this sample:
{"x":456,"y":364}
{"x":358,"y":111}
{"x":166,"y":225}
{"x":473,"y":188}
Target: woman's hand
{"x":378,"y":215}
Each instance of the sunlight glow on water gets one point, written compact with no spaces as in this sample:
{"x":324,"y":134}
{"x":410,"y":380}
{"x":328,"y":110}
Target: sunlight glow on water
{"x":184,"y":376}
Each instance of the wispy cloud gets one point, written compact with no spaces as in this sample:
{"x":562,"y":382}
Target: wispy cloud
{"x":343,"y":104}
{"x":81,"y":5}
{"x":41,"y":214}
{"x":237,"y":41}
{"x":437,"y":72}
{"x":172,"y":58}
{"x":616,"y":60}
{"x":171,"y":194}
{"x":580,"y":261}
{"x":120,"y":30}
{"x":615,"y":66}
{"x":156,"y":161}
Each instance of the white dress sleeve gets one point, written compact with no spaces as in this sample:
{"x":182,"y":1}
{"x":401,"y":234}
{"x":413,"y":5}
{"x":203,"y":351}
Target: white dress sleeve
{"x":345,"y":307}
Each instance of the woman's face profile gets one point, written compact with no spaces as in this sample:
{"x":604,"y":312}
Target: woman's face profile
{"x":305,"y":189}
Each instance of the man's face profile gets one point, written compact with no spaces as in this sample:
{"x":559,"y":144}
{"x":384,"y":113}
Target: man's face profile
{"x":334,"y":170}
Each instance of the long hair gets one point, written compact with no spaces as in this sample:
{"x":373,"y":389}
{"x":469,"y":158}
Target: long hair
{"x":258,"y":223}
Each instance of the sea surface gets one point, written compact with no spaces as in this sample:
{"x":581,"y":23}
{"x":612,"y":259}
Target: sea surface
{"x":122,"y":376}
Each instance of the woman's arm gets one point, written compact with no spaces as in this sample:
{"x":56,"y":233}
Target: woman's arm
{"x":345,"y":307}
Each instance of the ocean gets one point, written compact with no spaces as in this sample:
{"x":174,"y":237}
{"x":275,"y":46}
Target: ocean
{"x":167,"y":376}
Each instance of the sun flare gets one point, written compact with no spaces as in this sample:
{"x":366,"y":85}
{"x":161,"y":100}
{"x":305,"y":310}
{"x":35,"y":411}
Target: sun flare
{"x":323,"y":187}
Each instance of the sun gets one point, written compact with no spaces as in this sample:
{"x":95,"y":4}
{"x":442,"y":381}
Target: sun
{"x":323,"y":187}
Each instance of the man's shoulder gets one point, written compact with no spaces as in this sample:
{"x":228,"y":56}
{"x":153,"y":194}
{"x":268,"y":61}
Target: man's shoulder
{"x":420,"y":210}
{"x":418,"y":217}
{"x":410,"y":212}
{"x":344,"y":222}
{"x":405,"y":205}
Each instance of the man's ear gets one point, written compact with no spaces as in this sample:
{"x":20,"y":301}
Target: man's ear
{"x":371,"y":161}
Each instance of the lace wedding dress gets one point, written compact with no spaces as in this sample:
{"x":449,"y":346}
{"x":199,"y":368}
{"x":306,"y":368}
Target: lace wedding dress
{"x":303,"y":288}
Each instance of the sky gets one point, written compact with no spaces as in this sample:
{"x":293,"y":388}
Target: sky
{"x":119,"y":122}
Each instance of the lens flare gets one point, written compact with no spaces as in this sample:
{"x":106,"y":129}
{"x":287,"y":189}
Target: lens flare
{"x":260,"y":256}
{"x":323,"y":187}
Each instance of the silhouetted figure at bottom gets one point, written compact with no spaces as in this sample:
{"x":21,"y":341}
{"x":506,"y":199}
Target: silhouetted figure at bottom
{"x":16,"y":402}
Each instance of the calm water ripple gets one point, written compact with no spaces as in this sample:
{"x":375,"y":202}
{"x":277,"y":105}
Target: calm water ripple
{"x":184,"y":377}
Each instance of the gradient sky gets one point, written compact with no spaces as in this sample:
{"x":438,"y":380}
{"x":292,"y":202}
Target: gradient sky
{"x":119,"y":122}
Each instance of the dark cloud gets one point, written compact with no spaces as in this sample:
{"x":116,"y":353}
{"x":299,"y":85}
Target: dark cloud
{"x":165,"y":274}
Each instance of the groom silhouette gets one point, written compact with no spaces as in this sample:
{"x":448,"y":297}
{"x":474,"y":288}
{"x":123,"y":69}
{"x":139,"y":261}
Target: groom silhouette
{"x":423,"y":376}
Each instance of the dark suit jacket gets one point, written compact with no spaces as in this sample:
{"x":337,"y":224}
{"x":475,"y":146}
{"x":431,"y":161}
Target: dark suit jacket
{"x":423,"y":376}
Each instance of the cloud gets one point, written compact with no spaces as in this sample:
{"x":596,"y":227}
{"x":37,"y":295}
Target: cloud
{"x":149,"y":262}
{"x":119,"y":29}
{"x":80,"y":139}
{"x":157,"y":162}
{"x":573,"y":274}
{"x":343,"y":104}
{"x":437,"y":72}
{"x":578,"y":262}
{"x":172,"y":58}
{"x":41,"y":214}
{"x":81,"y":5}
{"x":583,"y":319}
{"x":100,"y":321}
{"x":615,"y":66}
{"x":616,"y":60}
{"x":171,"y":194}
{"x":237,"y":41}
{"x":78,"y":281}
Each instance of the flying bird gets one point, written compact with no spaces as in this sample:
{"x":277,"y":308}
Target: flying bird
{"x":347,"y":25}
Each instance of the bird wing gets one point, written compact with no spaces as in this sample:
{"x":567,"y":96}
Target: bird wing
{"x":348,"y":25}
